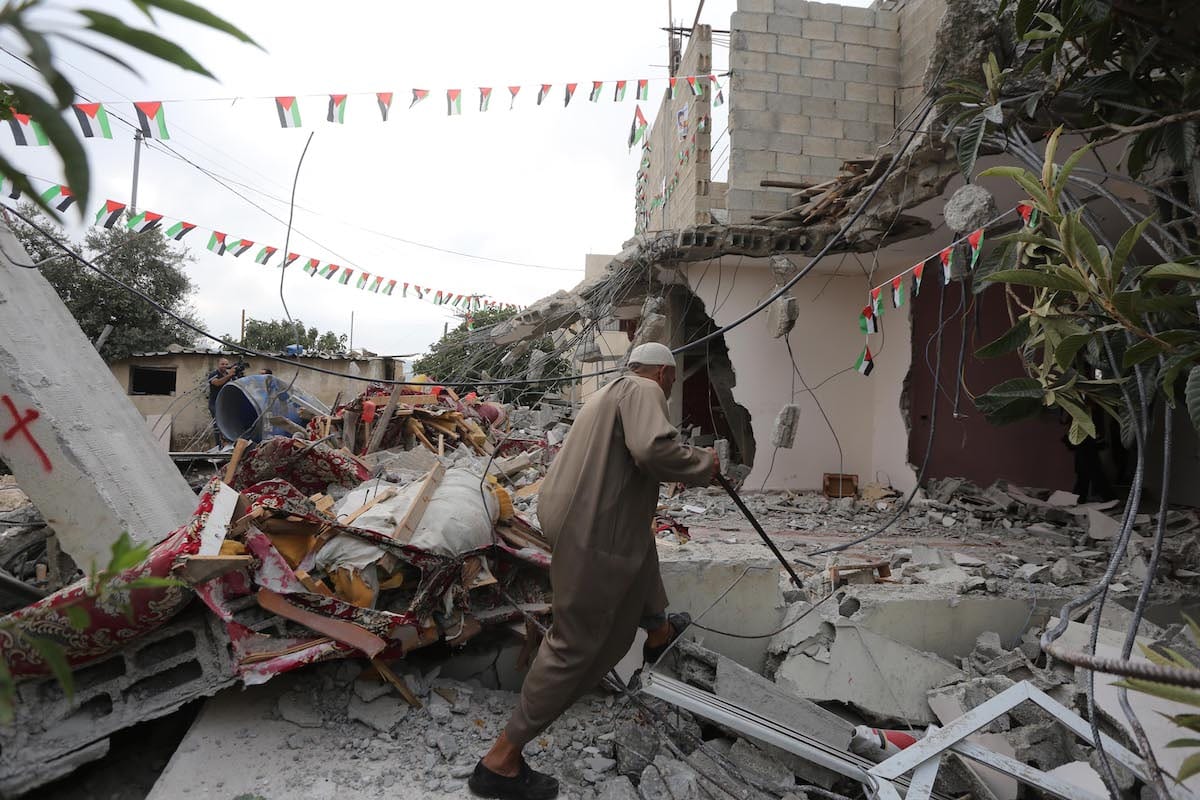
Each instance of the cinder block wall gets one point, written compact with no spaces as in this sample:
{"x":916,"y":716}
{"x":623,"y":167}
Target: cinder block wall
{"x":918,"y":25}
{"x":813,"y":84}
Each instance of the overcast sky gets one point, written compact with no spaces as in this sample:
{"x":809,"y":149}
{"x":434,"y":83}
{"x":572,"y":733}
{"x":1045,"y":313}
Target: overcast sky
{"x":540,"y":185}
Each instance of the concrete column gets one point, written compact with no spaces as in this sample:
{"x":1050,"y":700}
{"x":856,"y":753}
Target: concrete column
{"x":75,"y":443}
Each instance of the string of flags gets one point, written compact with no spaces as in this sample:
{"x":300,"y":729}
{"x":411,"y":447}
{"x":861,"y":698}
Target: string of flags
{"x":870,"y":318}
{"x":93,"y":118}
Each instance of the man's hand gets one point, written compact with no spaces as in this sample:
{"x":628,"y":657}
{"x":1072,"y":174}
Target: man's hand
{"x":716,"y":465}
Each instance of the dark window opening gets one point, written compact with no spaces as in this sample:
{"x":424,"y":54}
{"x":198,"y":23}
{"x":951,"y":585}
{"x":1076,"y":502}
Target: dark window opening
{"x":151,"y":380}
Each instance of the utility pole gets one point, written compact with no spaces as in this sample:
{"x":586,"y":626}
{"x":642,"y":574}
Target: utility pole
{"x":242,"y":339}
{"x":352,"y":330}
{"x":670,"y":40}
{"x":137,"y":160}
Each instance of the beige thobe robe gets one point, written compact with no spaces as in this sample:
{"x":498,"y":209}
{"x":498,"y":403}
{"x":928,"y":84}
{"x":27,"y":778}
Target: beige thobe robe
{"x":596,"y":506}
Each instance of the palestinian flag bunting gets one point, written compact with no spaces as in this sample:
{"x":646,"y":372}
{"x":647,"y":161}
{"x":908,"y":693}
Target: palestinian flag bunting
{"x":363,"y":278}
{"x":216,"y":243}
{"x":264,"y":255}
{"x":147,"y":220}
{"x":917,"y":272}
{"x":570,"y":93}
{"x":897,"y":291}
{"x":513,"y":91}
{"x":152,"y":120}
{"x":485,"y":97}
{"x":947,"y":259}
{"x":241,"y":246}
{"x":637,"y":131}
{"x":93,"y":120}
{"x":288,"y":109}
{"x":695,"y":85}
{"x":328,"y":271}
{"x":26,"y":132}
{"x":619,"y":92}
{"x":344,"y":278}
{"x":975,"y":239}
{"x":384,"y":99}
{"x":877,"y":300}
{"x":337,"y":109}
{"x":391,"y":285}
{"x":594,"y":94}
{"x":542,"y":92}
{"x":719,"y":97}
{"x":418,"y":96}
{"x":643,"y":89}
{"x":310,"y":266}
{"x":865,"y":363}
{"x":1028,"y":213}
{"x":867,"y":321}
{"x":180,"y":229}
{"x":378,"y":282}
{"x":453,"y":102}
{"x":290,"y":259}
{"x":110,"y":214}
{"x":58,"y":196}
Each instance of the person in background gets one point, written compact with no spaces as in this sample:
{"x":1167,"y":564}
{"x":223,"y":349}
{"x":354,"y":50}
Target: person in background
{"x":223,"y":374}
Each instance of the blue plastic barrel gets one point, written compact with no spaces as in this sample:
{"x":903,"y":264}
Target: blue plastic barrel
{"x":248,"y":407}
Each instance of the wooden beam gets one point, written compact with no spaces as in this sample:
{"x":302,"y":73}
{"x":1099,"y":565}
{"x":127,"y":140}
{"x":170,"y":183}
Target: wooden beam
{"x":386,"y":494}
{"x":345,"y":632}
{"x":239,"y":448}
{"x":412,"y":517}
{"x":382,"y":423}
{"x":198,"y":569}
{"x":349,"y":429}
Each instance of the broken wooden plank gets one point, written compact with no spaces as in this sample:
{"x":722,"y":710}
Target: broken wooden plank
{"x":512,"y":465}
{"x":349,"y":429}
{"x":396,"y":681}
{"x":386,"y":494}
{"x":412,"y":517}
{"x":198,"y":569}
{"x":239,"y":448}
{"x":342,"y":631}
{"x":382,"y":423}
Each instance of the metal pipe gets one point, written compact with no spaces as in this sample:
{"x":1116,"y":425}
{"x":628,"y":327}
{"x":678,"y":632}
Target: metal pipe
{"x":766,"y":539}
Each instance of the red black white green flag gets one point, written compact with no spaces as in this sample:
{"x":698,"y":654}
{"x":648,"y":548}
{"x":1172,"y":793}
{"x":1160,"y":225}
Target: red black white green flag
{"x":695,"y":85}
{"x":643,"y":89}
{"x":570,"y":93}
{"x":877,"y":300}
{"x":288,"y":109}
{"x":947,"y":259}
{"x":671,"y":87}
{"x":152,"y":120}
{"x":1028,"y":213}
{"x":144,"y":221}
{"x":363,"y":278}
{"x":264,"y":255}
{"x":291,"y":258}
{"x":513,"y":91}
{"x":485,"y":97}
{"x":867,"y":321}
{"x":337,"y":109}
{"x":418,"y":96}
{"x":542,"y":92}
{"x":917,"y":272}
{"x":328,"y":271}
{"x":637,"y":131}
{"x":898,"y":291}
{"x":110,"y":214}
{"x":453,"y":102}
{"x":311,"y":266}
{"x":58,"y":196}
{"x":719,"y":97}
{"x":594,"y":95}
{"x":241,"y":246}
{"x":975,"y":239}
{"x":26,"y":132}
{"x":385,"y":104}
{"x":216,"y":243}
{"x":345,"y":276}
{"x":378,"y":282}
{"x":93,"y":120}
{"x":619,"y":92}
{"x":865,"y":363}
{"x":180,"y":229}
{"x":391,"y":285}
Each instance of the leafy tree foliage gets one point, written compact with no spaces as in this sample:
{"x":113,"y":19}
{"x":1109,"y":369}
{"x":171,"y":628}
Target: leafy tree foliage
{"x":274,"y":335}
{"x":149,"y":261}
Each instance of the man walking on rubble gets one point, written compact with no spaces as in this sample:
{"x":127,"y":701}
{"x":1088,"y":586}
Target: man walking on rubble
{"x":596,"y":506}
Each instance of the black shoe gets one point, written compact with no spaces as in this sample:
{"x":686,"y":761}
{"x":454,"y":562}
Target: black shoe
{"x":679,"y":623}
{"x":528,"y":784}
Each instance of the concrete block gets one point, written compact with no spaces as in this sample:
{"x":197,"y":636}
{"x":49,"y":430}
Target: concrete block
{"x":851,"y":149}
{"x":794,"y":46}
{"x":847,"y":71}
{"x":889,"y":20}
{"x":816,"y":68}
{"x":793,"y":123}
{"x":793,"y":165}
{"x":884,"y":115}
{"x":770,"y":202}
{"x":759,"y":42}
{"x":748,"y":101}
{"x":820,"y":107}
{"x":757,"y":160}
{"x":858,"y":16}
{"x":792,"y":8}
{"x":784,"y":26}
{"x":793,"y":92}
{"x":861,"y":132}
{"x":861,"y":54}
{"x":863,"y":92}
{"x":854,"y":34}
{"x":783,"y":65}
{"x":829,"y":12}
{"x":819,"y":146}
{"x":755,"y":82}
{"x":886,"y":95}
{"x":748,"y":60}
{"x":826,"y":167}
{"x":747,"y":21}
{"x":881,"y":38}
{"x":851,"y":110}
{"x":833,"y":90}
{"x":833,"y":51}
{"x":786,"y":142}
{"x":885,"y":57}
{"x":818,"y":29}
{"x":779,"y":322}
{"x":884,"y":76}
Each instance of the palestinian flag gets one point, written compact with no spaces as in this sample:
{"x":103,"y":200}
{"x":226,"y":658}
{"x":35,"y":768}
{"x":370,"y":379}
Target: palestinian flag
{"x":93,"y":120}
{"x":288,"y":109}
{"x":453,"y":102}
{"x":594,"y":95}
{"x":865,"y":363}
{"x":378,"y":282}
{"x":898,"y":291}
{"x":542,"y":92}
{"x":719,"y":97}
{"x":26,"y":132}
{"x":418,"y":96}
{"x":58,"y":196}
{"x":241,"y":246}
{"x":363,"y":278}
{"x":337,"y":109}
{"x":917,"y":272}
{"x":976,"y":241}
{"x":437,"y":301}
{"x":867,"y":321}
{"x":570,"y":93}
{"x":485,"y":97}
{"x":264,"y":255}
{"x":877,"y":300}
{"x":152,"y":120}
{"x":328,"y":271}
{"x":619,"y":92}
{"x":671,"y":88}
{"x":179,"y":230}
{"x":291,"y":259}
{"x":147,"y":220}
{"x":216,"y":243}
{"x":110,"y":214}
{"x":385,"y":103}
{"x":695,"y":85}
{"x":390,"y":286}
{"x":1029,"y":214}
{"x":512,"y":95}
{"x":947,"y":258}
{"x":311,"y":265}
{"x":643,"y":89}
{"x":420,"y":292}
{"x":344,"y":278}
{"x":404,"y":291}
{"x":637,"y":131}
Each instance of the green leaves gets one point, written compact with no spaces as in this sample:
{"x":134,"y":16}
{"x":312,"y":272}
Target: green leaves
{"x":968,"y":145}
{"x":1011,"y":401}
{"x":1032,"y":277}
{"x":149,"y":43}
{"x":1010,"y":340}
{"x":1191,"y":395}
{"x":54,"y":656}
{"x":1172,"y":271}
{"x":62,"y":138}
{"x":195,"y":13}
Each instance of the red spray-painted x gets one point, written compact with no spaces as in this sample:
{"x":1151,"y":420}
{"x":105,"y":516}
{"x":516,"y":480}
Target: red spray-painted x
{"x":21,"y":425}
